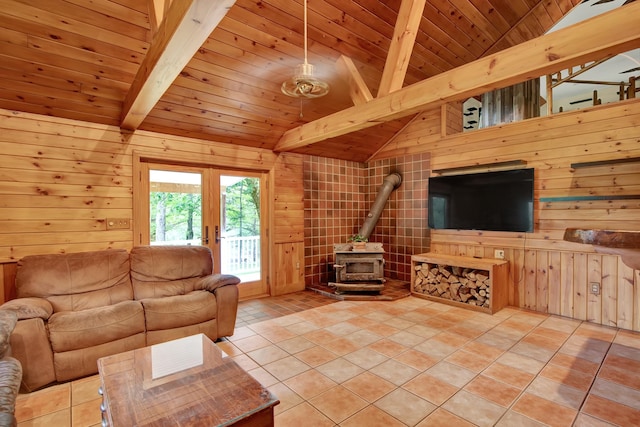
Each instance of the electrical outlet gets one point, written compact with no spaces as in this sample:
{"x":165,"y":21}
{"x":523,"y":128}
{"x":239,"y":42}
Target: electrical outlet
{"x":118,"y":223}
{"x":498,"y":253}
{"x":595,"y":288}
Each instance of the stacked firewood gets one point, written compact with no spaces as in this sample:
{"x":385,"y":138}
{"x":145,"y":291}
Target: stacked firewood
{"x":466,"y":285}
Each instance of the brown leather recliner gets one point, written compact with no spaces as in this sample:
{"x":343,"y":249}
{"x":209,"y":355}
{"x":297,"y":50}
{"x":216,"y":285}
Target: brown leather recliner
{"x":75,"y":308}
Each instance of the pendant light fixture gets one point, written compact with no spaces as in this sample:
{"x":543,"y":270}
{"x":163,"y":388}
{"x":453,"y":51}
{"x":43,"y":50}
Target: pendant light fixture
{"x":303,"y":84}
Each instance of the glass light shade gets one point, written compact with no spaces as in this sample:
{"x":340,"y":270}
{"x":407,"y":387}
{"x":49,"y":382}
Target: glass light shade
{"x":304,"y":85}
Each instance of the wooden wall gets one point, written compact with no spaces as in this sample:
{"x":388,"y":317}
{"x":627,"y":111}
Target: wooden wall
{"x":61,"y":179}
{"x":548,"y":274}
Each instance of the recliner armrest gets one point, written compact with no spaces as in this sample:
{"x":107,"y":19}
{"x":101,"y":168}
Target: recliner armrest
{"x":212,"y":282}
{"x":29,"y":308}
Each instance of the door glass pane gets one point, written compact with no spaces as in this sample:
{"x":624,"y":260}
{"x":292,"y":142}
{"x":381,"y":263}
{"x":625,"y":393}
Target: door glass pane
{"x":240,"y":227}
{"x":175,"y":200}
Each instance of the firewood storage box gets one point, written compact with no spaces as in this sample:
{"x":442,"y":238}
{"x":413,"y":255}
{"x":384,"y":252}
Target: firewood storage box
{"x":474,"y":283}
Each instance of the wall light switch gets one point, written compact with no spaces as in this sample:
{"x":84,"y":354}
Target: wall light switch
{"x":498,"y":253}
{"x":118,"y":223}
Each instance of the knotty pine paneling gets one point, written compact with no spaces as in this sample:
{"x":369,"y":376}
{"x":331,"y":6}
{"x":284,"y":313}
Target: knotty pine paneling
{"x":548,"y":274}
{"x":60,"y":179}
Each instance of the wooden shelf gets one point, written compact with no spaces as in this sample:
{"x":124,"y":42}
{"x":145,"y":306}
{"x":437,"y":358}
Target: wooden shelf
{"x":495,"y":286}
{"x":604,"y":162}
{"x":487,"y":167}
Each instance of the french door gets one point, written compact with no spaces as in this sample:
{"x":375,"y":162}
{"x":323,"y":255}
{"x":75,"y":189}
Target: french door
{"x":221,"y":209}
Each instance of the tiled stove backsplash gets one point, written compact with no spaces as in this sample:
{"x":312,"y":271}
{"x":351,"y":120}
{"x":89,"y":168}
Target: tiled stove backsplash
{"x":338,"y":196}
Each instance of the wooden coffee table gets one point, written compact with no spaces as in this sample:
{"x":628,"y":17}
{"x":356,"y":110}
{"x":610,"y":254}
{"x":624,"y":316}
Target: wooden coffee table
{"x":185,"y":382}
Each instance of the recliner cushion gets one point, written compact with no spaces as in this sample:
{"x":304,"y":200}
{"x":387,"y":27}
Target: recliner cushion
{"x":180,"y":310}
{"x":72,"y":330}
{"x":76,"y":281}
{"x":161,"y":271}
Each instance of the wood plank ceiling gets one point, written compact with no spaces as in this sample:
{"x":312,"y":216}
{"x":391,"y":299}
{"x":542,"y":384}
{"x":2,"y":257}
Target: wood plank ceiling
{"x":78,"y":59}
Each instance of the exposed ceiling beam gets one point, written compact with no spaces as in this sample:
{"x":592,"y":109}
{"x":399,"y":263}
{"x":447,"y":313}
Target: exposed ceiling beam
{"x":157,"y":10}
{"x":185,"y":27}
{"x":358,"y":89}
{"x":590,"y":40}
{"x":404,"y":37}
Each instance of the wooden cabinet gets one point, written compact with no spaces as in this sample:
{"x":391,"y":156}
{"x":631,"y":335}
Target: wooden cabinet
{"x":474,"y":283}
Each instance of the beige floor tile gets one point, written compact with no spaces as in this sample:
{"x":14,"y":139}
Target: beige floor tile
{"x":388,"y":348}
{"x":470,"y":361}
{"x":382,"y":329}
{"x":512,"y":419}
{"x":287,"y":397}
{"x":263,"y":377}
{"x":245,"y":362}
{"x":363,"y":338}
{"x":338,"y":403}
{"x":584,"y":420}
{"x":302,"y":415}
{"x":568,"y":376}
{"x":423,"y":347}
{"x":416,"y":359}
{"x":302,"y":328}
{"x":268,"y":354}
{"x":406,"y":338}
{"x":484,"y":350}
{"x":394,"y":372}
{"x":610,"y":411}
{"x":316,"y":356}
{"x":493,"y":390}
{"x":340,"y":370}
{"x":405,"y":406}
{"x":452,"y":374}
{"x":431,"y":388}
{"x":286,"y":368}
{"x":366,"y":358}
{"x":341,"y":346}
{"x":616,"y":392}
{"x":507,"y":374}
{"x":577,"y":363}
{"x":523,"y":363}
{"x":321,"y":336}
{"x":441,"y":417}
{"x":371,"y":417}
{"x":86,"y":414}
{"x":368,"y":386}
{"x":556,"y":392}
{"x":310,"y":383}
{"x":277,"y":334}
{"x":475,"y":409}
{"x":544,"y":411}
{"x":251,"y":343}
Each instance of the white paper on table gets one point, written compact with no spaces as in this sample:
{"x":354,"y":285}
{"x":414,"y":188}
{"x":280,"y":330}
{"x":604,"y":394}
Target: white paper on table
{"x":177,"y":355}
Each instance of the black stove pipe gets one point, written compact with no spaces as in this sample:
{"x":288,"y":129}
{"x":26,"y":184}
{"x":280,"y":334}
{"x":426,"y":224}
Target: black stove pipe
{"x":390,"y":183}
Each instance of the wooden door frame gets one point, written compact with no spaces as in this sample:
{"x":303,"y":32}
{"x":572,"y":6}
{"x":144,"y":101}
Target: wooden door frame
{"x":141,"y":232}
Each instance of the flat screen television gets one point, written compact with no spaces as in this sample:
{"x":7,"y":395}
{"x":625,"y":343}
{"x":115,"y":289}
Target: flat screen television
{"x":492,"y":201}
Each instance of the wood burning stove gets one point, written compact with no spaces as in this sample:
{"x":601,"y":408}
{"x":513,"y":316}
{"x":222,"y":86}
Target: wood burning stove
{"x":359,"y":270}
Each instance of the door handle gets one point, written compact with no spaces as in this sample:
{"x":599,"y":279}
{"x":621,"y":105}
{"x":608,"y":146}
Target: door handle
{"x":206,"y":235}
{"x":217,"y":234}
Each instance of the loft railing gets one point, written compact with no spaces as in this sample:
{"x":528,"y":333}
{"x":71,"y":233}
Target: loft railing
{"x":240,"y":256}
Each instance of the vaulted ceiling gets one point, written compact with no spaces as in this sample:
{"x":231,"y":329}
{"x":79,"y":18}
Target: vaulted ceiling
{"x":78,"y":59}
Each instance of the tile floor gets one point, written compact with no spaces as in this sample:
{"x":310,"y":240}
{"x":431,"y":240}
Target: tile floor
{"x":411,"y":362}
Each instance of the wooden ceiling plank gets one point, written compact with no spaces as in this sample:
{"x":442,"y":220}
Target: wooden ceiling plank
{"x":601,"y":36}
{"x":113,"y":9}
{"x":404,"y":37}
{"x":358,"y":89}
{"x":52,"y":19}
{"x":183,"y":31}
